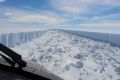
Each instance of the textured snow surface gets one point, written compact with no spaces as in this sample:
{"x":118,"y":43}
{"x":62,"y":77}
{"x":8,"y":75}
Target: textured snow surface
{"x":73,"y":57}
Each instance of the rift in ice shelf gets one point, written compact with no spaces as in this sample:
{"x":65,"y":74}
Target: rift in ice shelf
{"x":25,"y":69}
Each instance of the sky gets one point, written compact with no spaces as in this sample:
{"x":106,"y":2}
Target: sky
{"x":85,"y":15}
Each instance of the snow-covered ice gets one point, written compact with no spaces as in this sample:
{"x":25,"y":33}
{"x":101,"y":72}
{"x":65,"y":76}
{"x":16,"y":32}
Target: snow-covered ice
{"x":73,"y":57}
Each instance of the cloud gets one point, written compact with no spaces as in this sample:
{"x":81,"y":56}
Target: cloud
{"x":101,"y":24}
{"x":2,"y":1}
{"x":65,"y":14}
{"x":35,"y":19}
{"x":70,"y":6}
{"x":53,"y":19}
{"x":107,"y":16}
{"x":111,"y":2}
{"x":8,"y":13}
{"x":78,"y":7}
{"x":94,"y":19}
{"x":24,"y":16}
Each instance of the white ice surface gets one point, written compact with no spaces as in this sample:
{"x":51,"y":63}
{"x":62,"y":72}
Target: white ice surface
{"x":73,"y":57}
